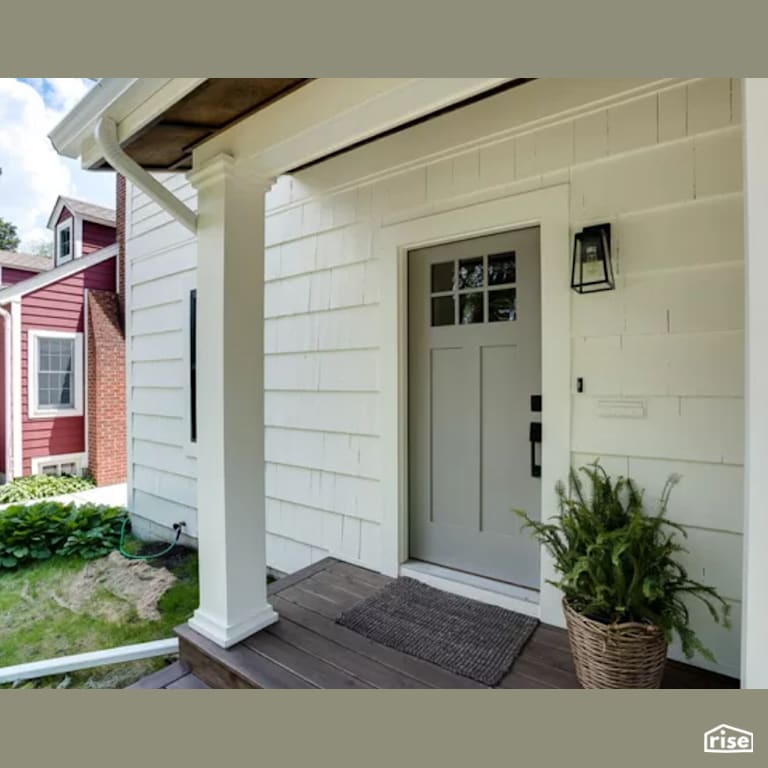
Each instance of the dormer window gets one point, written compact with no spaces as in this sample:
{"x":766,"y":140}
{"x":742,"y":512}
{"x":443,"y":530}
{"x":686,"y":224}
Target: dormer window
{"x":64,"y":242}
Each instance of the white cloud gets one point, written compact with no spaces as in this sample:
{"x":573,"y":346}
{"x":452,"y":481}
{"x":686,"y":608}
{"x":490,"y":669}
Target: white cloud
{"x":33,"y":174}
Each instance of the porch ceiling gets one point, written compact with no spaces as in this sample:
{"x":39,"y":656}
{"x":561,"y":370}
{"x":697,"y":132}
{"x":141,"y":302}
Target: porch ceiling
{"x":167,"y":142}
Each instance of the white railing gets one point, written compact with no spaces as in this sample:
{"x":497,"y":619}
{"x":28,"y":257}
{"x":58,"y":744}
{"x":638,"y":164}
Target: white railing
{"x":35,"y":669}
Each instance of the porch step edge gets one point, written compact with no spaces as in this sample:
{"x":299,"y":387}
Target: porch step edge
{"x":237,"y":667}
{"x":215,"y":666}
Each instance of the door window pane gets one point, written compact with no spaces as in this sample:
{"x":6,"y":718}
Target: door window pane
{"x":443,"y":310}
{"x":471,"y":308}
{"x":471,"y":273}
{"x":502,"y":305}
{"x":501,"y":268}
{"x":442,"y":277}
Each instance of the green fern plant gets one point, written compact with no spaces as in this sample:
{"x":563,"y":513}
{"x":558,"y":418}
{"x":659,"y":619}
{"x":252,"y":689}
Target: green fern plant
{"x":617,"y":563}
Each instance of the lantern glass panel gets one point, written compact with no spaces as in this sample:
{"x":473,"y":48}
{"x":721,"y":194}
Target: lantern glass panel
{"x":593,"y":260}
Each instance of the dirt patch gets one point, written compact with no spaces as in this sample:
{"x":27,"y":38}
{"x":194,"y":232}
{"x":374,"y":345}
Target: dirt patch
{"x":134,"y":584}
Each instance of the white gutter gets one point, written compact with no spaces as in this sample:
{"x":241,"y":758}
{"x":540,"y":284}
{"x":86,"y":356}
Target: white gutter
{"x":6,"y":315}
{"x":105,"y":134}
{"x":69,"y":132}
{"x":124,"y":653}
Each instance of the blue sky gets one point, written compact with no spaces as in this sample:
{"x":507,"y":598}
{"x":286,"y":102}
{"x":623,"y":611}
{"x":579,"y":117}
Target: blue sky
{"x":33,"y":174}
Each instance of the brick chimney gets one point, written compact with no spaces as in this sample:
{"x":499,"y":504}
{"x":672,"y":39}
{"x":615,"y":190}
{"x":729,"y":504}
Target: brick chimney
{"x":107,"y":441}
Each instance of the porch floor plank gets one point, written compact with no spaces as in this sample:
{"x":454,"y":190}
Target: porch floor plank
{"x":314,"y":669}
{"x":426,"y":673}
{"x":342,"y":583}
{"x":237,"y":666}
{"x":307,"y":649}
{"x":367,"y":669}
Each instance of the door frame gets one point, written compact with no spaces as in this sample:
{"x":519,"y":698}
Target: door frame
{"x":547,"y":208}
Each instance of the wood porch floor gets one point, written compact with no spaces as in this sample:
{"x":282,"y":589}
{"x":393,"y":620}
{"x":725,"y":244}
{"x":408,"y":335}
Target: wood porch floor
{"x":306,"y":649}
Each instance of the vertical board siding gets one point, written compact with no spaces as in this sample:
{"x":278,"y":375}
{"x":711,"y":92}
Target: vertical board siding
{"x":664,"y":168}
{"x":57,"y":307}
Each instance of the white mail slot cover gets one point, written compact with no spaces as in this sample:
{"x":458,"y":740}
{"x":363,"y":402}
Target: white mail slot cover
{"x":621,"y":409}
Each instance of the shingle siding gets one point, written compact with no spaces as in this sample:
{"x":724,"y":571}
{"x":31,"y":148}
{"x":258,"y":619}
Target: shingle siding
{"x":664,"y":168}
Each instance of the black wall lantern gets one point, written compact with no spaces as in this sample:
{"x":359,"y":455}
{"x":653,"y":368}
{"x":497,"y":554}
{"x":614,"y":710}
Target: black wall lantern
{"x":592,"y":269}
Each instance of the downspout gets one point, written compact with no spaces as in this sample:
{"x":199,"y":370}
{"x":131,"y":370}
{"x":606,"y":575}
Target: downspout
{"x":6,"y":315}
{"x":105,"y":134}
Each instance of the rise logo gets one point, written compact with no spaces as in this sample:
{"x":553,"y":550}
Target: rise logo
{"x":725,"y":739}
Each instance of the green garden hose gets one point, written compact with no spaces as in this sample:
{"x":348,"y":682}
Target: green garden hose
{"x":126,"y":522}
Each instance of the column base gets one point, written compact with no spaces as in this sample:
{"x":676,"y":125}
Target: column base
{"x":227,"y":636}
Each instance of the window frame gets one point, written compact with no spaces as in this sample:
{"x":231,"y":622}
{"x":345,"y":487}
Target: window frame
{"x":67,"y":224}
{"x":78,"y":459}
{"x":193,"y":366}
{"x":35,"y":411}
{"x":190,"y":359}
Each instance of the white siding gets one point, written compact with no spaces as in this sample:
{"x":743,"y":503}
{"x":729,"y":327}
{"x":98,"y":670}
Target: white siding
{"x":664,"y":168}
{"x":161,"y":260}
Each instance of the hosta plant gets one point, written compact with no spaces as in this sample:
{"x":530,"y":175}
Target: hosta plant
{"x":43,"y":486}
{"x":619,"y":563}
{"x":43,"y":529}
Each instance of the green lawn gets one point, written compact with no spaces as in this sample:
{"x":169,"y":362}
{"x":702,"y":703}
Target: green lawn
{"x":36,"y":624}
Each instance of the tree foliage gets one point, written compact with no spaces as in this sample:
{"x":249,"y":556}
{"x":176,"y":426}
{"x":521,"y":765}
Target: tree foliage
{"x":9,"y":236}
{"x":40,"y":248}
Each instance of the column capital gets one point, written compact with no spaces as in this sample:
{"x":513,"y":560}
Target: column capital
{"x":223,"y":167}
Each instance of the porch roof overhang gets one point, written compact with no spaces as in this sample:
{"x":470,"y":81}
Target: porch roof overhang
{"x":163,"y":124}
{"x":178,"y":115}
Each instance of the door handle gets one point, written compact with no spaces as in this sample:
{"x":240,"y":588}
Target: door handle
{"x":534,"y":436}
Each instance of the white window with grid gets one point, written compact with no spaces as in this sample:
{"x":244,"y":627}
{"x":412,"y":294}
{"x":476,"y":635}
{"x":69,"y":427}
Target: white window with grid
{"x":65,"y":242}
{"x":66,"y":464}
{"x":55,"y":376}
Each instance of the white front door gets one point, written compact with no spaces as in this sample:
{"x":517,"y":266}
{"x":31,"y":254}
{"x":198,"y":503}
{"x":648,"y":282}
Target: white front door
{"x":474,"y":404}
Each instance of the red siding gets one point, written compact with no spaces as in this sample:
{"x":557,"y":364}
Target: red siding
{"x":61,"y":307}
{"x":97,"y":236}
{"x":2,"y":394}
{"x":12,"y":275}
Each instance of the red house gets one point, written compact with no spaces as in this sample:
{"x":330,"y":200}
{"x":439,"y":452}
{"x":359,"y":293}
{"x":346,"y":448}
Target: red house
{"x":62,"y":351}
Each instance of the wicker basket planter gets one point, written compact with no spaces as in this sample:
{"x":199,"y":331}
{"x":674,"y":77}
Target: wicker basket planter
{"x":628,"y":655}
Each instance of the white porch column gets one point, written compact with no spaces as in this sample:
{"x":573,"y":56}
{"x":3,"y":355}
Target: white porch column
{"x":230,"y":402}
{"x":754,"y":640}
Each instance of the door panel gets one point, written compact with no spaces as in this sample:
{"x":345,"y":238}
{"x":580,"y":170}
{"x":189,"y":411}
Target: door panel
{"x":474,"y":363}
{"x":454,"y":439}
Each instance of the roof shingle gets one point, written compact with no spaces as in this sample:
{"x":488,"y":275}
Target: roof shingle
{"x":25,"y":261}
{"x":89,"y":210}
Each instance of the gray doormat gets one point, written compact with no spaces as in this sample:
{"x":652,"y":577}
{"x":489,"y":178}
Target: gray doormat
{"x":470,"y":638}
